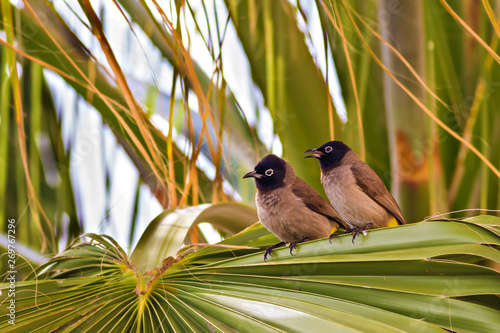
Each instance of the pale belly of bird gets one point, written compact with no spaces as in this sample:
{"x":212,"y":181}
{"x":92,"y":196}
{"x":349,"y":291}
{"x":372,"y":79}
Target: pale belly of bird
{"x":354,"y":206}
{"x":286,"y":216}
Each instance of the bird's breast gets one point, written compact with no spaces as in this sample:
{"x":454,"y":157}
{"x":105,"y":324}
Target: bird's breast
{"x":272,"y":205}
{"x":354,"y":206}
{"x":338,"y":184}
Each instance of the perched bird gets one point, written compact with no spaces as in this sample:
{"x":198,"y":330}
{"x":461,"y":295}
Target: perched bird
{"x":355,"y":190}
{"x":288,"y":207}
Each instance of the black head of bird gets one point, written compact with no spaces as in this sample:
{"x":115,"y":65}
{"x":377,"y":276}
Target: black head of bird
{"x":269,"y":173}
{"x":330,"y":154}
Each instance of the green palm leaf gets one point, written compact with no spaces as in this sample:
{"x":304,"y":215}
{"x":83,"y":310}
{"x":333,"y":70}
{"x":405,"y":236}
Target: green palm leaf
{"x":420,"y":277}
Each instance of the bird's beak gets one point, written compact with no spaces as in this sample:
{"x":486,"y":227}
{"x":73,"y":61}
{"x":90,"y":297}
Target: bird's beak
{"x":253,"y":174}
{"x":316,"y":153}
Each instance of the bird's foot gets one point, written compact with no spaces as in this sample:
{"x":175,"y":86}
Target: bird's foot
{"x":270,"y":248}
{"x":348,"y":231}
{"x":293,"y":245}
{"x":357,"y":231}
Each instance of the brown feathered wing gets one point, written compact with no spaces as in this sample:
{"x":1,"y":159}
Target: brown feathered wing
{"x":371,"y":184}
{"x":315,"y":202}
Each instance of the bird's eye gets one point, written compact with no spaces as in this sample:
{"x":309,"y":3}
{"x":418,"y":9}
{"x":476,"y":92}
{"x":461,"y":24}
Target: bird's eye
{"x":328,"y":149}
{"x":269,"y":172}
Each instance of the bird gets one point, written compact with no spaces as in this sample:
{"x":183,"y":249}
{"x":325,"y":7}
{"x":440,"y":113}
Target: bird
{"x":355,"y":191}
{"x":288,"y":207}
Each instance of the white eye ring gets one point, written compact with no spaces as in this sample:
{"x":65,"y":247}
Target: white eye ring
{"x":328,"y":149}
{"x":269,"y":172}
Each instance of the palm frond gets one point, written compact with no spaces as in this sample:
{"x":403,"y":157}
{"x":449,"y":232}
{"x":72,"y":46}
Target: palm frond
{"x":424,"y":276}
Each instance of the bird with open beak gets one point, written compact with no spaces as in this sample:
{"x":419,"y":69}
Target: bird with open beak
{"x":355,"y":191}
{"x":288,"y":207}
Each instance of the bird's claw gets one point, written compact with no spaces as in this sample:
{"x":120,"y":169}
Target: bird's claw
{"x":330,"y":238}
{"x":357,"y":231}
{"x":270,"y":248}
{"x":293,"y":245}
{"x":267,"y":253}
{"x":348,"y":231}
